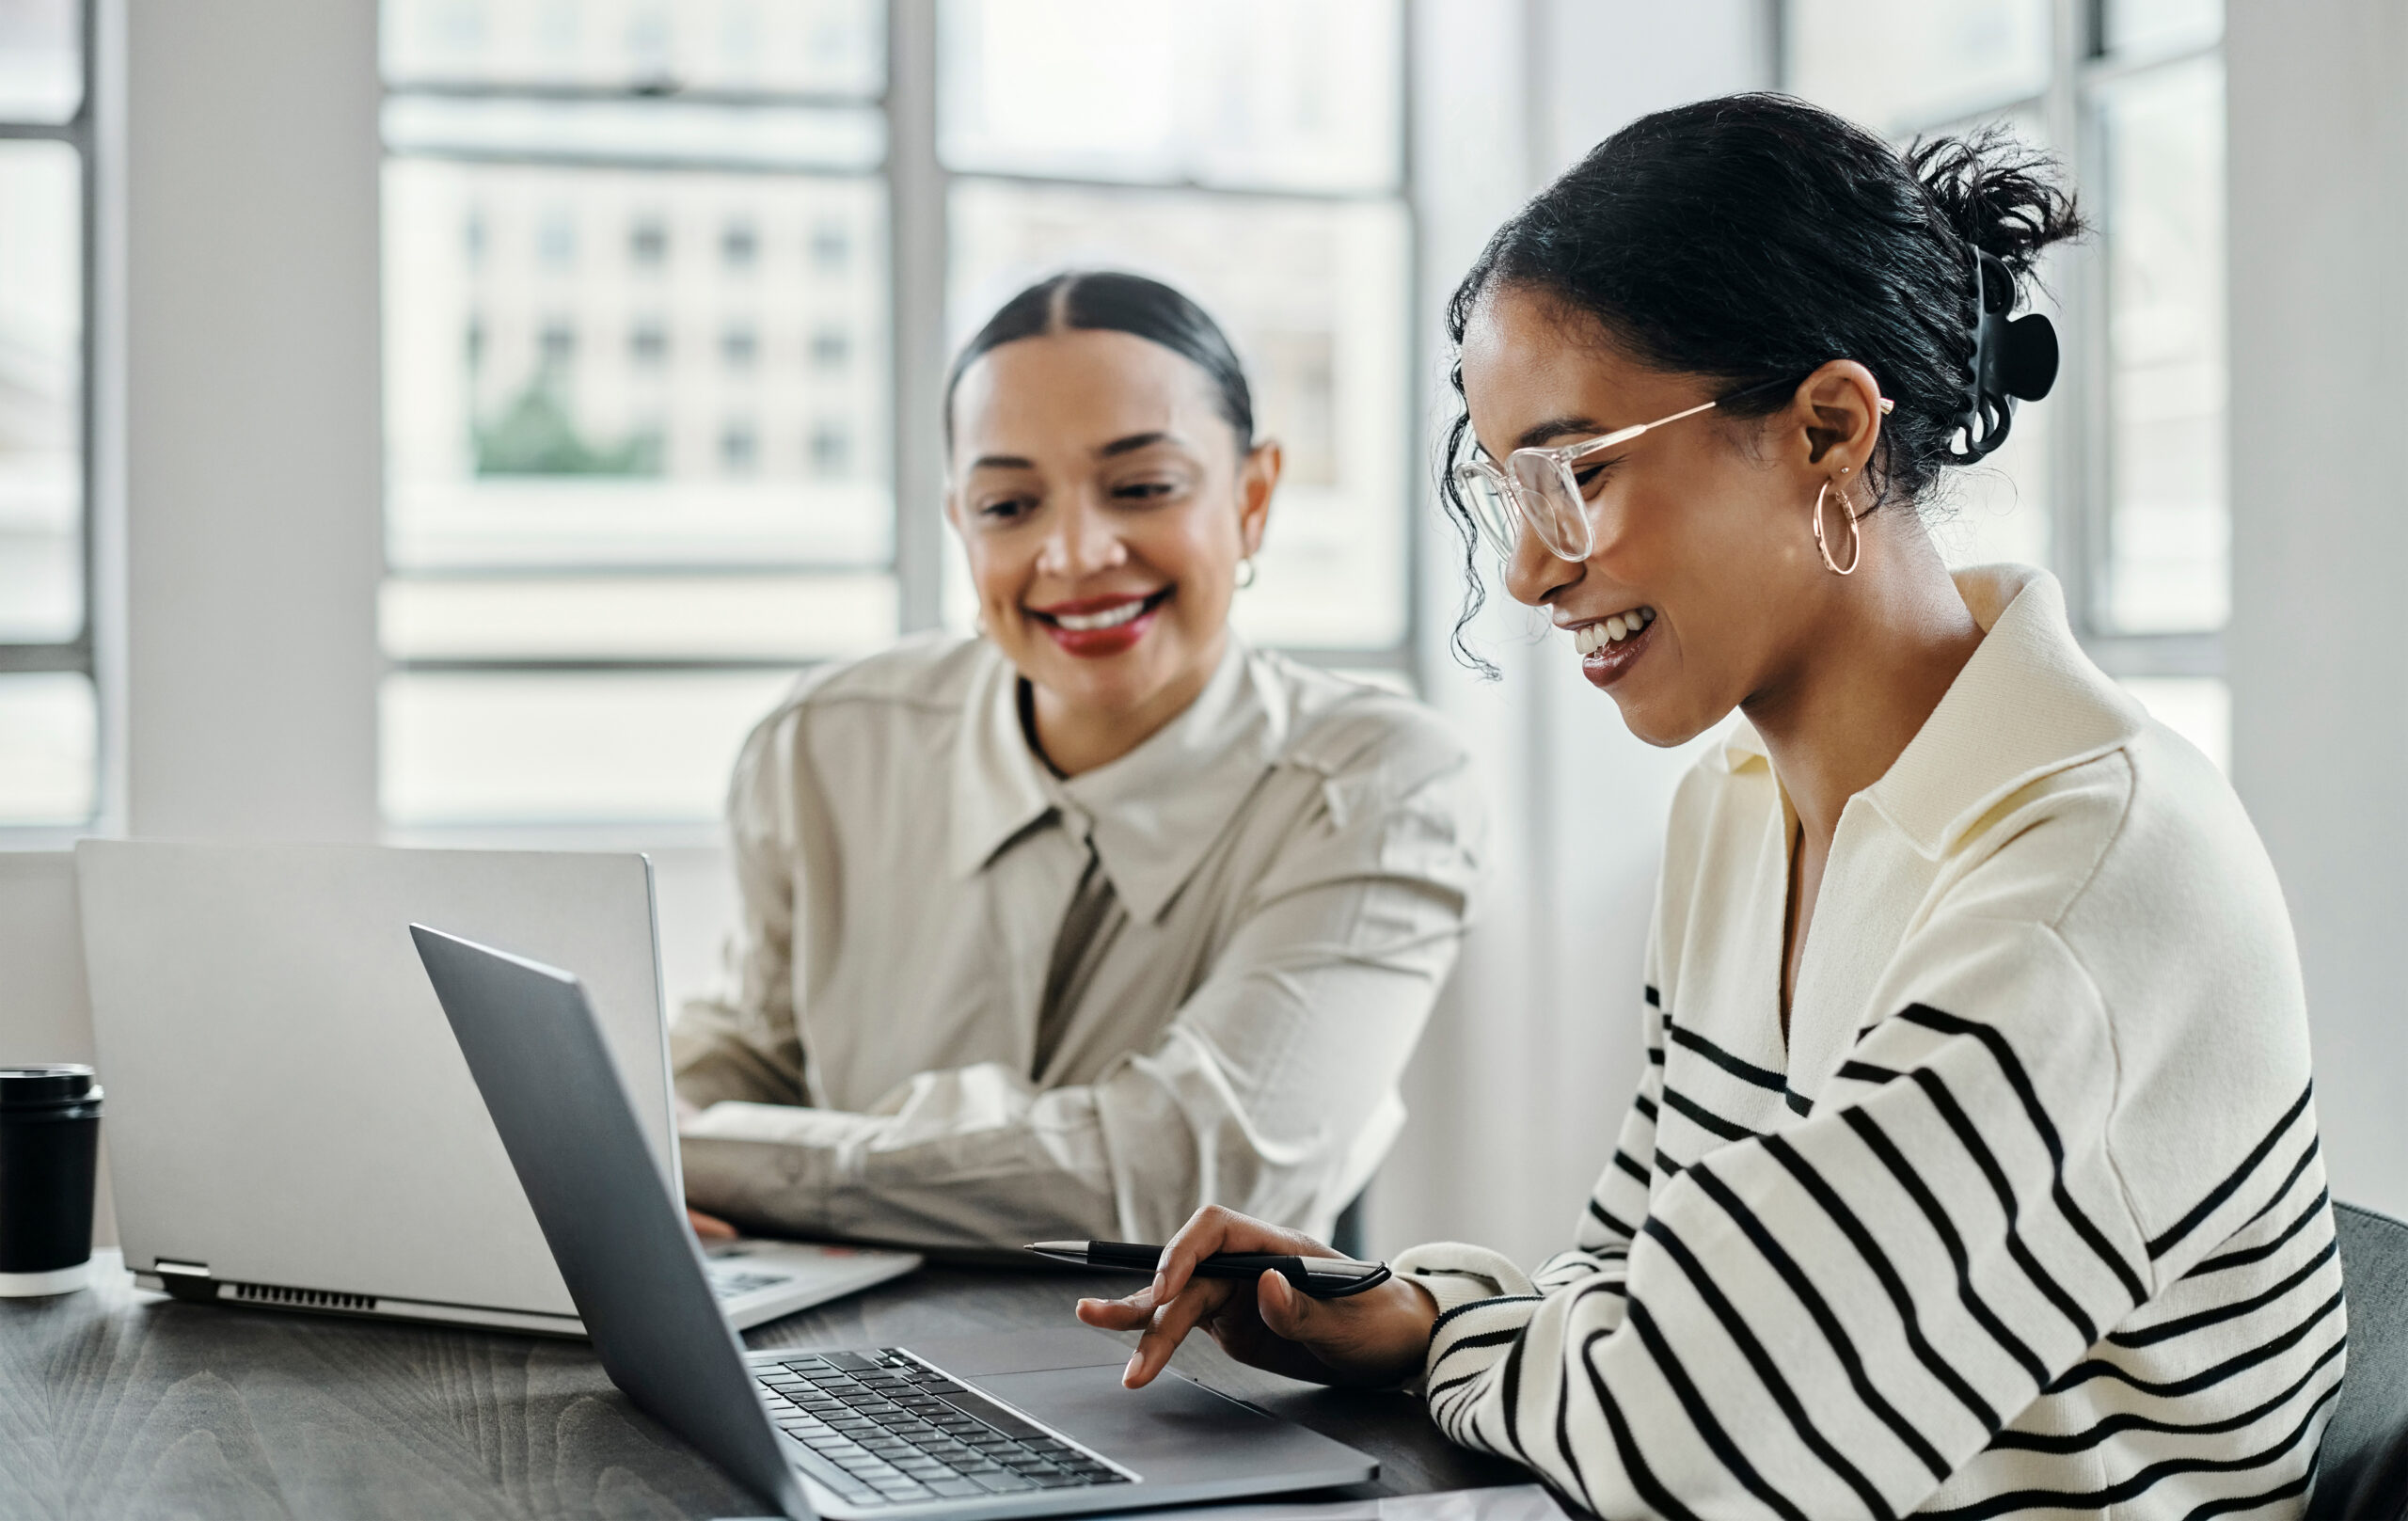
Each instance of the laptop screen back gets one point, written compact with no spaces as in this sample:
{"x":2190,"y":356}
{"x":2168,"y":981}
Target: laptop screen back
{"x":614,"y":1222}
{"x":287,"y":1104}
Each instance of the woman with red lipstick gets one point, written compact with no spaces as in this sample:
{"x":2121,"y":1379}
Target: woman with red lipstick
{"x":1973,"y":1171}
{"x":1071,"y":927}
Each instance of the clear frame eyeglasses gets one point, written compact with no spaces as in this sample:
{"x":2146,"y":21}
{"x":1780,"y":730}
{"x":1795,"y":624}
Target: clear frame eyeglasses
{"x":1538,"y":486}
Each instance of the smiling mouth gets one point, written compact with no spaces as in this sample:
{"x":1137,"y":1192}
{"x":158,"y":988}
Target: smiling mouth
{"x":1092,"y":620}
{"x":1590,"y":637}
{"x":1611,"y":646}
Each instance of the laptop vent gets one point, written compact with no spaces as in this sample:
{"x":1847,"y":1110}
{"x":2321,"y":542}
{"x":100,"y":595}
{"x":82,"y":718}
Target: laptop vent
{"x":269,"y":1293}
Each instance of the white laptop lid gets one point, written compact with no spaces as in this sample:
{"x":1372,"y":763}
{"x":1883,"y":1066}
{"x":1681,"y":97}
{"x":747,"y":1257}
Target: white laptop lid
{"x":285,"y":1102}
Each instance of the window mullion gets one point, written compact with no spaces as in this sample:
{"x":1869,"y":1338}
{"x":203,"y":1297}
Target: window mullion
{"x":2079,"y":478}
{"x":916,"y":187}
{"x":18,"y":660}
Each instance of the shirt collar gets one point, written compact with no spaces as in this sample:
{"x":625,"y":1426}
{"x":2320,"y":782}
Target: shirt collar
{"x":2028,"y":703}
{"x":1152,"y":814}
{"x":999,"y":786}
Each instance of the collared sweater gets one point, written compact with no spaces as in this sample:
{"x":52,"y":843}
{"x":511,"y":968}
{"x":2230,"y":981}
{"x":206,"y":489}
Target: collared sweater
{"x":2025,"y":1215}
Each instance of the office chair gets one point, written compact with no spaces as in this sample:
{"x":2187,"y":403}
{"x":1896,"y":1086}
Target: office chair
{"x":2364,"y":1464}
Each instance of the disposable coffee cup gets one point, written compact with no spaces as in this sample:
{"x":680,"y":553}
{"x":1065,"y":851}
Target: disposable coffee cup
{"x":50,"y":1140}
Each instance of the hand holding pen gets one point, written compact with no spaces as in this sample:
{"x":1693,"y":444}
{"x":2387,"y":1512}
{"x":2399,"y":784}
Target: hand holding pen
{"x":1376,"y":1335}
{"x":1317,"y":1278}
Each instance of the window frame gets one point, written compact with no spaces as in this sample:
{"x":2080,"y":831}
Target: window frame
{"x":2080,"y":465}
{"x":77,"y":656}
{"x":919,"y":190}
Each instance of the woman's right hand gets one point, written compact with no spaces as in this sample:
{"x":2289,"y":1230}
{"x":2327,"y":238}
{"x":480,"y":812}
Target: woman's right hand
{"x":1376,"y":1338}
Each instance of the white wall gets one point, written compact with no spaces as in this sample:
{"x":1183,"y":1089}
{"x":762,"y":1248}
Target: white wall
{"x":1533,"y":1057}
{"x":697,"y":907}
{"x":251,"y":425}
{"x":2318,"y":174}
{"x":45,"y":1013}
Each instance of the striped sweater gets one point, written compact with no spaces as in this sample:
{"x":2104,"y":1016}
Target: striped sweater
{"x":2025,"y":1218}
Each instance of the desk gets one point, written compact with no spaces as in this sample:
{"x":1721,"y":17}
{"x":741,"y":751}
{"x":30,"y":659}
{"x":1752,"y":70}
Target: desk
{"x":117,"y":1404}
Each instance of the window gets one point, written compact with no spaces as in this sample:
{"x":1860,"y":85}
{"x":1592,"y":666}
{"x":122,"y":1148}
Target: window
{"x":648,"y":244}
{"x":1250,"y":153}
{"x":2117,"y":481}
{"x":739,"y":449}
{"x":739,"y":246}
{"x":682,"y":456}
{"x":602,"y":567}
{"x":648,"y":343}
{"x":49,"y":707}
{"x":831,"y":448}
{"x":740,"y":345}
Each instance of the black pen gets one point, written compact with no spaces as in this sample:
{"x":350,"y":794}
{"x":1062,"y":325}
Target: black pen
{"x":1320,"y":1278}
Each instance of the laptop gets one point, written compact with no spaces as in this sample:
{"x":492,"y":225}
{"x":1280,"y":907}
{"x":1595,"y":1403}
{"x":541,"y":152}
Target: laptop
{"x":1006,"y":1424}
{"x":291,"y":1126}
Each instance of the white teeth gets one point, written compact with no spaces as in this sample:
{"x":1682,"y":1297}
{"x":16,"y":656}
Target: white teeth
{"x":1590,"y":637}
{"x":1087,"y":622}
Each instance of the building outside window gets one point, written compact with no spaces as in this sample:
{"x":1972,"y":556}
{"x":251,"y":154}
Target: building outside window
{"x":607,"y":558}
{"x":50,"y":722}
{"x":2116,"y":482}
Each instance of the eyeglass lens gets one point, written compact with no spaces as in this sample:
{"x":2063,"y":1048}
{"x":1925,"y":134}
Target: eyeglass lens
{"x":1485,"y":496}
{"x":1553,"y":501}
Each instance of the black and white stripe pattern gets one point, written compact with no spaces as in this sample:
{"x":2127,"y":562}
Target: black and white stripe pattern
{"x":2020,"y":1210}
{"x":1924,"y":1290}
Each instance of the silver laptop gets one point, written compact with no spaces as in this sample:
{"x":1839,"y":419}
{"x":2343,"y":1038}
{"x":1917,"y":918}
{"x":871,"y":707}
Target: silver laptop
{"x":1030,"y":1423}
{"x":289,"y":1122}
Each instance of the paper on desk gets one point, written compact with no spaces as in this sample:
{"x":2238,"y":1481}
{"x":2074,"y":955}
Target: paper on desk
{"x":1514,"y":1502}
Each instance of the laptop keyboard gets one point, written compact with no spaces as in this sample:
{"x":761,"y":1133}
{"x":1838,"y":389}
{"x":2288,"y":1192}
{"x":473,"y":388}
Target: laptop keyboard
{"x":729,"y":1283}
{"x":881,"y":1428}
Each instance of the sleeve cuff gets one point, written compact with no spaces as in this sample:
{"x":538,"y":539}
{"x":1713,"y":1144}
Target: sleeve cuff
{"x":779,"y":1124}
{"x":1455,"y":1275}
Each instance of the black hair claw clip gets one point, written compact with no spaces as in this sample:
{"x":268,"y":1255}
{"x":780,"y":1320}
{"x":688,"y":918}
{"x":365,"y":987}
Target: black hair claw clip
{"x":2015,"y":358}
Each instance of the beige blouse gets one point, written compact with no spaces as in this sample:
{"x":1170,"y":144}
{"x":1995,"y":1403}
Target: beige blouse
{"x":977,"y":1004}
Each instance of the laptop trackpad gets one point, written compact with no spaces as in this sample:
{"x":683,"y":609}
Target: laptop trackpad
{"x":981,"y":1358}
{"x":1174,"y":1431}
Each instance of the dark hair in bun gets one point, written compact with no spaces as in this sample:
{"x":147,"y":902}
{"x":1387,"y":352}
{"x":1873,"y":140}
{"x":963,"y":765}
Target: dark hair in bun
{"x":1753,"y":238}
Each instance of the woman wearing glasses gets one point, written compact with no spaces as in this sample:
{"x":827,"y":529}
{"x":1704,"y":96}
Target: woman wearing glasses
{"x":1974,"y":1170}
{"x":1103,"y":915}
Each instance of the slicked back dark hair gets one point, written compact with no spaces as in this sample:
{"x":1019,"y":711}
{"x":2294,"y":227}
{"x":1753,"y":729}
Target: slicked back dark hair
{"x":1754,"y":238}
{"x":1112,"y":301}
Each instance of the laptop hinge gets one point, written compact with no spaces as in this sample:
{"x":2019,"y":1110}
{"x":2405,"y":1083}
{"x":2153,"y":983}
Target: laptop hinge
{"x":186,"y":1280}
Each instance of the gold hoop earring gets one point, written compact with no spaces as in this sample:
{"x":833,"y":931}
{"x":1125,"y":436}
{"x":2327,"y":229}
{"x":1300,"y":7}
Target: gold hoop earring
{"x":1855,"y":535}
{"x":1245,"y":573}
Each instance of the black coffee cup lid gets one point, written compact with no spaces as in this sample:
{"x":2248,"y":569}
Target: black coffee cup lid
{"x":33,"y":1087}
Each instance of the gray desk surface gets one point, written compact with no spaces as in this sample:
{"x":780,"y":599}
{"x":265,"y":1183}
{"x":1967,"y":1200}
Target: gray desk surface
{"x":120,"y":1404}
